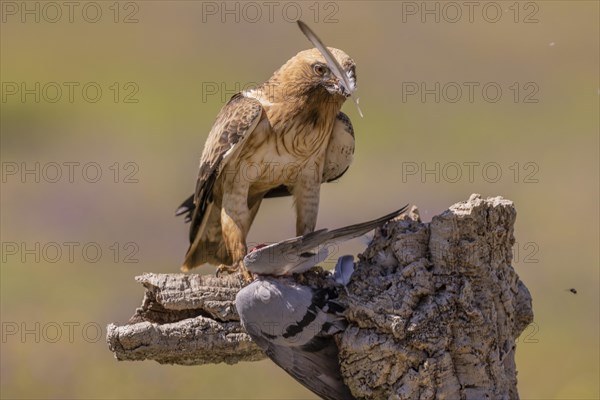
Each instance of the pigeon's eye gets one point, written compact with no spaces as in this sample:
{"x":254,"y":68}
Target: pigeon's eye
{"x":320,"y":69}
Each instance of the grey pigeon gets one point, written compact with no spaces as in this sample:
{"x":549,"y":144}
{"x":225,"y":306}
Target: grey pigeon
{"x":295,"y":323}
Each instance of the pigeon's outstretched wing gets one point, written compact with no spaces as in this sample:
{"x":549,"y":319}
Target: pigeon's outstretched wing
{"x":294,"y":325}
{"x":295,"y":255}
{"x":236,"y":121}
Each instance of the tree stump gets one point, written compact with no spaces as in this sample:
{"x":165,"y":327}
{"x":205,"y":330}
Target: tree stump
{"x":434,"y":310}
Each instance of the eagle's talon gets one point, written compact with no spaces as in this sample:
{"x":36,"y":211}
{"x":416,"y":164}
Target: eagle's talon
{"x":246,"y":275}
{"x":227,"y":269}
{"x":232,"y":269}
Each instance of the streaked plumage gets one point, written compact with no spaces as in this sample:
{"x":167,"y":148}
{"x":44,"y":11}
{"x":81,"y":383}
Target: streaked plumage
{"x":287,"y":136}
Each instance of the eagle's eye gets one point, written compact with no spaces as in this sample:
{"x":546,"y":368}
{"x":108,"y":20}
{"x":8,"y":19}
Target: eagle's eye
{"x":320,"y":69}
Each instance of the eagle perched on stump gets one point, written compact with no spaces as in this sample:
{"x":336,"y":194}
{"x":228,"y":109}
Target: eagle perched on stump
{"x":284,"y":137}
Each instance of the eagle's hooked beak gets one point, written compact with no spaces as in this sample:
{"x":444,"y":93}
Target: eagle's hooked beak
{"x":335,"y":85}
{"x":351,"y":81}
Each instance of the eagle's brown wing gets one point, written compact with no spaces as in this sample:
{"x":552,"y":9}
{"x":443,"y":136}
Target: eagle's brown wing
{"x":340,"y":151}
{"x":236,"y":121}
{"x":339,"y":156}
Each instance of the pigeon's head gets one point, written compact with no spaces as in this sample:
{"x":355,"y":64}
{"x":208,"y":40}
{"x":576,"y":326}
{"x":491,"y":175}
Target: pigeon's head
{"x":257,"y":247}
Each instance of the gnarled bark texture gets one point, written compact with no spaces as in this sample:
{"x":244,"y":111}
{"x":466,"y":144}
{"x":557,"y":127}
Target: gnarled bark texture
{"x":433,"y":308}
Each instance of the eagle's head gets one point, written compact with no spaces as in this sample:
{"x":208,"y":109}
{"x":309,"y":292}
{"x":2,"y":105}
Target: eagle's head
{"x":309,"y":74}
{"x":311,"y":67}
{"x":322,"y":76}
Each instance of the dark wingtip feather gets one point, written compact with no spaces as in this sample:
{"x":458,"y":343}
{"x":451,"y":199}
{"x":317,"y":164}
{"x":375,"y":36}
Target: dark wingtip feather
{"x":181,"y":210}
{"x":187,"y":207}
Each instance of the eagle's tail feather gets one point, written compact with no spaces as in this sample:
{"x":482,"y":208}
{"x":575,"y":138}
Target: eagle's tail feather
{"x":208,"y":245}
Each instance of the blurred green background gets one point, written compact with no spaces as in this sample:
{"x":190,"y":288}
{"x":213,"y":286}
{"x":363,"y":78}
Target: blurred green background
{"x":157,"y":65}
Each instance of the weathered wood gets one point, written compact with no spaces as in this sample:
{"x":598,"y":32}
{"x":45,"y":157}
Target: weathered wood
{"x":435,"y":308}
{"x":434,"y":311}
{"x":185,"y":319}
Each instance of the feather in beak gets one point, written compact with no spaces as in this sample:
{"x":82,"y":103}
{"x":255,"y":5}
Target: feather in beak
{"x":335,"y":67}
